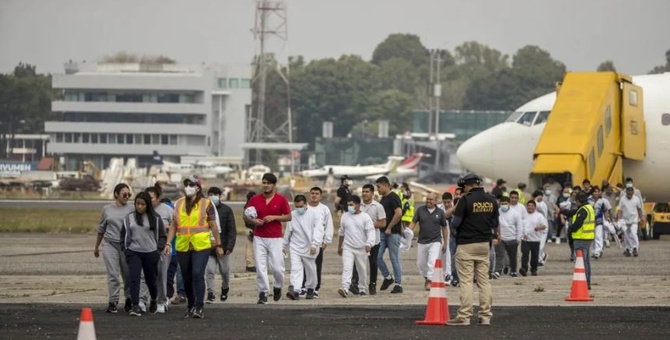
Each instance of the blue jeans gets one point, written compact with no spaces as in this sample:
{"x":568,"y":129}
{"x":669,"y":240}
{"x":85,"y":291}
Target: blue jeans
{"x":193,"y":265}
{"x":452,"y":250}
{"x":392,"y":242}
{"x":585,"y":247}
{"x":173,"y":270}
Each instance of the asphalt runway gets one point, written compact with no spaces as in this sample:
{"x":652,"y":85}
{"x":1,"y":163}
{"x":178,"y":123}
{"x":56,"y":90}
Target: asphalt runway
{"x":31,"y":321}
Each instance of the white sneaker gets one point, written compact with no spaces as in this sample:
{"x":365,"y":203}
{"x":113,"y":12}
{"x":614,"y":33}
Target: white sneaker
{"x":558,"y":240}
{"x":143,"y":307}
{"x":607,"y":243}
{"x":161,"y":308}
{"x":343,"y":292}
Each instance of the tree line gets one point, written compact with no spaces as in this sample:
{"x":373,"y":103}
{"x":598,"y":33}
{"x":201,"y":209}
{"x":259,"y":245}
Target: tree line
{"x":351,"y":92}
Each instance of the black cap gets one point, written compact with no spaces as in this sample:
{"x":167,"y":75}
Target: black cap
{"x":344,"y":177}
{"x":500,"y":181}
{"x":469,"y":179}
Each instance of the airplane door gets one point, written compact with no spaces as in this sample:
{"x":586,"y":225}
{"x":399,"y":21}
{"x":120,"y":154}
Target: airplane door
{"x":633,"y":129}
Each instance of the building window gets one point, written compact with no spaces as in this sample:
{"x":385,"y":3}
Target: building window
{"x":84,"y":138}
{"x":76,"y":138}
{"x":129,"y":139}
{"x":129,"y":98}
{"x":233,"y":83}
{"x":245,"y":83}
{"x":173,"y":139}
{"x":165,"y":139}
{"x":608,"y":120}
{"x":168,"y":98}
{"x":68,"y":138}
{"x":59,"y":137}
{"x":223,"y":83}
{"x":103,"y":138}
{"x":95,"y":97}
{"x":112,"y":138}
{"x":147,"y":139}
{"x":592,"y":163}
{"x":188,"y":98}
{"x":601,"y":141}
{"x":155,"y":139}
{"x":138,"y":139}
{"x":94,"y":138}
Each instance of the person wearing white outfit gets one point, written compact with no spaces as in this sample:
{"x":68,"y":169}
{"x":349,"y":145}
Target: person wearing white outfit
{"x":533,"y":232}
{"x":630,"y":210}
{"x":302,"y":239}
{"x":378,"y":215}
{"x":542,"y":208}
{"x":326,"y":222}
{"x":356,"y":238}
{"x":433,"y":237}
{"x":511,"y":233}
{"x":601,"y":207}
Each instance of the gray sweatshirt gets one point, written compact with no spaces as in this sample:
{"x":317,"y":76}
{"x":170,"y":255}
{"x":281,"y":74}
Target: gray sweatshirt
{"x":357,"y":230}
{"x":140,"y":238}
{"x":111,"y":221}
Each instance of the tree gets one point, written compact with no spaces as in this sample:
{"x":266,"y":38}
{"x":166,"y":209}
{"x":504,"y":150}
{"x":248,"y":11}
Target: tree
{"x":24,"y":70}
{"x":605,"y":66}
{"x":132,"y":58}
{"x":399,"y":74}
{"x":403,"y":46}
{"x":662,"y":68}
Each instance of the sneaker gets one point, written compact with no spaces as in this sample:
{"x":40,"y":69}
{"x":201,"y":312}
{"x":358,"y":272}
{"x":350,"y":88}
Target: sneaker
{"x":454,"y":283}
{"x":533,"y":273}
{"x":353,"y":288}
{"x":292,"y":295}
{"x":635,"y":252}
{"x":397,"y":289}
{"x":143,"y":306}
{"x":162,"y":308}
{"x":251,"y":269}
{"x":558,"y":241}
{"x":303,"y":291}
{"x":373,"y":288}
{"x":210,"y":298}
{"x":458,"y":322}
{"x":627,"y":253}
{"x":189,"y":313}
{"x":427,"y":284}
{"x":179,"y":299}
{"x":544,"y":258}
{"x":198,"y":313}
{"x":496,"y":275}
{"x":386,"y":284}
{"x":513,"y":274}
{"x":153,"y":307}
{"x":523,"y":272}
{"x":276,"y":294}
{"x":128,"y":305}
{"x":262,"y":298}
{"x":505,"y":270}
{"x":485,"y":321}
{"x":607,"y":243}
{"x":540,"y":264}
{"x":362,"y":294}
{"x":343,"y":292}
{"x":224,"y":294}
{"x":310,"y":294}
{"x":135,"y":311}
{"x":447,"y":278}
{"x":111,"y":308}
{"x":316,"y":293}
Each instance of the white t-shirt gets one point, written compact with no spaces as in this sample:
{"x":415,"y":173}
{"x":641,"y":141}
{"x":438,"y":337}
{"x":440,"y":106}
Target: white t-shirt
{"x":629,"y":209}
{"x":376,"y":212}
{"x":530,"y":222}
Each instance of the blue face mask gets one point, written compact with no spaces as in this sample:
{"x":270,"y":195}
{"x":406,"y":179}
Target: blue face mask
{"x":504,"y":208}
{"x":352,"y":209}
{"x":300,"y":211}
{"x":214,"y":199}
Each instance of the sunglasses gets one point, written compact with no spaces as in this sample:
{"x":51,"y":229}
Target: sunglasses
{"x":189,"y":184}
{"x":127,"y":195}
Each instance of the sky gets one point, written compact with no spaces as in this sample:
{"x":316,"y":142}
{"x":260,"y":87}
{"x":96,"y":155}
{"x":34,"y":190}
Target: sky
{"x":579,"y":33}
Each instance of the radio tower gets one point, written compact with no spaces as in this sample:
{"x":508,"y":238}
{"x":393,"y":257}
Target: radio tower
{"x":270,"y":28}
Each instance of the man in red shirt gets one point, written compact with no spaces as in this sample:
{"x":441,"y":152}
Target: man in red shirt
{"x":271,"y":209}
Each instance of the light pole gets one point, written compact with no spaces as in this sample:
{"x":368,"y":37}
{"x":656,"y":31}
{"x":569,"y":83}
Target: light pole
{"x":436,"y":62}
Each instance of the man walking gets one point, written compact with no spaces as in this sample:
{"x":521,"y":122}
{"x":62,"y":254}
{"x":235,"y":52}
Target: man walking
{"x":326,"y":222}
{"x":475,"y":218}
{"x":356,"y":237}
{"x":583,"y":230}
{"x":433,"y":237}
{"x":376,"y":212}
{"x":390,"y":235}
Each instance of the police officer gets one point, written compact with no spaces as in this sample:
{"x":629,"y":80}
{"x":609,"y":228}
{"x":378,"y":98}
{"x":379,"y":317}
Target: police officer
{"x":343,"y":194}
{"x":475,"y":218}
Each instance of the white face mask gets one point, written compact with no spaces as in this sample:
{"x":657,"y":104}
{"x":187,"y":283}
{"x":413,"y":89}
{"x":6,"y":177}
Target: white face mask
{"x":214,"y":199}
{"x":189,"y":191}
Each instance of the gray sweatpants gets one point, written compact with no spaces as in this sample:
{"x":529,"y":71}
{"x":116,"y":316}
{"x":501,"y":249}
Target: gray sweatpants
{"x":163,"y":264}
{"x":223,"y":264}
{"x":115,"y":262}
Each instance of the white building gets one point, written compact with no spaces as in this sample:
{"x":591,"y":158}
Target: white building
{"x":132,"y":110}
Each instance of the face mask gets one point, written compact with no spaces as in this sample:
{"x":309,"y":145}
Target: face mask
{"x":629,"y":185}
{"x":566,"y":195}
{"x":300,"y":211}
{"x":189,"y":191}
{"x":214,"y":199}
{"x":350,"y":183}
{"x":504,"y":208}
{"x":352,"y":209}
{"x":547,"y":192}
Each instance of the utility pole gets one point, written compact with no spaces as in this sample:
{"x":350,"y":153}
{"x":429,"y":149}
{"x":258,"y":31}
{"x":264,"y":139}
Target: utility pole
{"x":436,"y":63}
{"x":271,"y":21}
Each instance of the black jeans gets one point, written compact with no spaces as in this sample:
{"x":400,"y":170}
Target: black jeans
{"x":534,"y":249}
{"x":136,"y":263}
{"x":172,"y":271}
{"x":374,"y":251}
{"x":511,"y":247}
{"x":193,"y":265}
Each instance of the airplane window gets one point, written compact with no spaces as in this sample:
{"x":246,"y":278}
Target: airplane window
{"x":513,"y":117}
{"x":665,"y":119}
{"x":527,"y":118}
{"x":542,"y":117}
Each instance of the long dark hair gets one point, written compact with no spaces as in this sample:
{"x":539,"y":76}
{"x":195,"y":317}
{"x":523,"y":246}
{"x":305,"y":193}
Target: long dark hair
{"x":151,"y":214}
{"x":157,"y":190}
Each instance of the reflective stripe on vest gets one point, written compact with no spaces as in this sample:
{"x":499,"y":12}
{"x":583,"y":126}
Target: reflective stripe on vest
{"x":588,"y":229}
{"x":192,"y":230}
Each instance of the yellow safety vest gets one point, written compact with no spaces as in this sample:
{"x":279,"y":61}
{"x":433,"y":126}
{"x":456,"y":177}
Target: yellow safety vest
{"x":588,"y":229}
{"x":522,"y":198}
{"x":409,"y":214}
{"x":192,"y":230}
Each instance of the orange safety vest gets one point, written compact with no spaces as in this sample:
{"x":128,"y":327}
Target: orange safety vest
{"x":192,"y":230}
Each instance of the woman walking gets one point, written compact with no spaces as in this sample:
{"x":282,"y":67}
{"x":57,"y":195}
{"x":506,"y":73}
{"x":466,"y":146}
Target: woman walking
{"x":144,"y":237}
{"x":109,"y":229}
{"x":165,"y":261}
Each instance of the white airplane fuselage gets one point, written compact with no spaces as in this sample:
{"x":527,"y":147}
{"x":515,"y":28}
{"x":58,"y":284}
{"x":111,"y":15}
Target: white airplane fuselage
{"x":506,"y":150}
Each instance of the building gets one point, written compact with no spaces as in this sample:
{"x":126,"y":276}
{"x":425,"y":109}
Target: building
{"x":132,"y":110}
{"x":23,"y":147}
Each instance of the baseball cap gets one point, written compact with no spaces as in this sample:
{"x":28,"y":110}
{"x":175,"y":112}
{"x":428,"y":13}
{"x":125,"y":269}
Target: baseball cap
{"x":500,"y":181}
{"x":194,"y":180}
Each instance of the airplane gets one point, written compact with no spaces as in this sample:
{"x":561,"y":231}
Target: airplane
{"x":356,"y":171}
{"x":508,"y":150}
{"x":408,"y":168}
{"x":200,"y":168}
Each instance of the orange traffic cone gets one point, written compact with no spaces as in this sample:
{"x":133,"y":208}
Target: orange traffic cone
{"x":580,"y":290}
{"x":437,"y":311}
{"x":86,"y":327}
